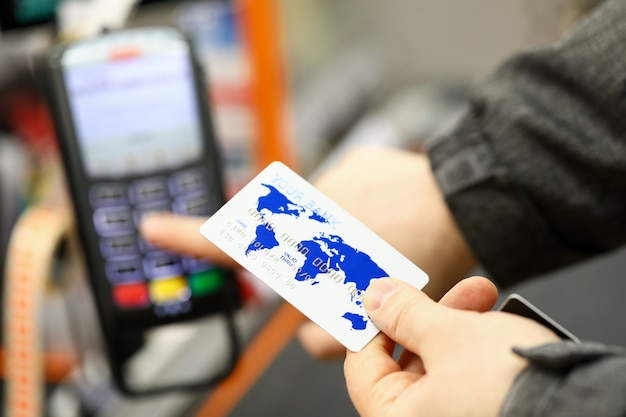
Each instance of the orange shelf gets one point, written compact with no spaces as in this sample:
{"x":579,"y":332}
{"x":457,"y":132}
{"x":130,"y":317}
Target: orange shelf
{"x":261,"y":33}
{"x":260,"y":26}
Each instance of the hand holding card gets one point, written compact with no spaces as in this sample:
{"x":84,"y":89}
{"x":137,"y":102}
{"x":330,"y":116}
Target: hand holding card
{"x":309,"y":250}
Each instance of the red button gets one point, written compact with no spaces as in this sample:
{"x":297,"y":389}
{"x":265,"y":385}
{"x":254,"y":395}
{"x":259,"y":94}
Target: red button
{"x":131,"y":295}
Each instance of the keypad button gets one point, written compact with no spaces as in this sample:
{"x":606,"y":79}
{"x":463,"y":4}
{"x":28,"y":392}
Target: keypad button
{"x":113,"y":220}
{"x":172,"y":309}
{"x":191,"y":265}
{"x":108,"y":195}
{"x":149,"y":190}
{"x":124,"y":270}
{"x":206,"y":282}
{"x":162,"y":264}
{"x":188,"y":181}
{"x":147,"y":247}
{"x":169,"y":290}
{"x":140,"y":274}
{"x":117,"y":246}
{"x":135,"y":295}
{"x":195,"y":205}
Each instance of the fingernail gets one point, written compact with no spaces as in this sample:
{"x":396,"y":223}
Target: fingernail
{"x":378,"y":291}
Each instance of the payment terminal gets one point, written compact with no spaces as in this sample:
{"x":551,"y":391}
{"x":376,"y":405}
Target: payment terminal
{"x":133,"y":122}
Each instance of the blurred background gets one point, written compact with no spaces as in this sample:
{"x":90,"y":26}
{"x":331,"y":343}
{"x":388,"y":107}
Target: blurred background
{"x":297,"y":80}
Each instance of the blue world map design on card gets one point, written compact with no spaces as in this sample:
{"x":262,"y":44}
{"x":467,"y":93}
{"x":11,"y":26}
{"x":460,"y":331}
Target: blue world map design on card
{"x":326,"y":254}
{"x":309,"y":250}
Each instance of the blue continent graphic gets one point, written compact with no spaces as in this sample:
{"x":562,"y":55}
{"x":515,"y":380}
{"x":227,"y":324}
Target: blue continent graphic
{"x":326,"y":254}
{"x":277,"y":203}
{"x":264,"y":239}
{"x":357,"y":320}
{"x":357,"y":266}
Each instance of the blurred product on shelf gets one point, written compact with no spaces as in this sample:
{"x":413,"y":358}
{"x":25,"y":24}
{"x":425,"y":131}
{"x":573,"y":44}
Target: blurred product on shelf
{"x":214,"y":27}
{"x":21,"y":14}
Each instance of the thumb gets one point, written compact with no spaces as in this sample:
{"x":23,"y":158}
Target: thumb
{"x":404,"y":313}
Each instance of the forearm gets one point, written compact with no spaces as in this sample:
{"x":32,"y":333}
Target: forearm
{"x":569,"y":380}
{"x":535,"y":174}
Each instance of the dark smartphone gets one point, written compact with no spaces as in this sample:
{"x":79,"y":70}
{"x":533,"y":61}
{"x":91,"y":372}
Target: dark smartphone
{"x":133,"y":122}
{"x":516,"y":304}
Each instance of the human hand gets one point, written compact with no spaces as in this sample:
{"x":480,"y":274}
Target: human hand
{"x":455,"y":363}
{"x":181,"y":234}
{"x":474,"y":294}
{"x":395,"y":194}
{"x":392,"y":192}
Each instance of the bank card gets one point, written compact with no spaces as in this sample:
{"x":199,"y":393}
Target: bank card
{"x":309,"y":250}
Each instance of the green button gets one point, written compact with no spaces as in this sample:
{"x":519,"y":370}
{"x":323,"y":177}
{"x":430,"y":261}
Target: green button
{"x":206,"y":282}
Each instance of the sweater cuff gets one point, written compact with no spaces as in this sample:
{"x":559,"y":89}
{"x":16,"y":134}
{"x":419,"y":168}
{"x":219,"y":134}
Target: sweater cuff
{"x":569,"y":379}
{"x":492,"y":212}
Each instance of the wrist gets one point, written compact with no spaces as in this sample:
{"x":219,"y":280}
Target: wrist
{"x":450,"y":257}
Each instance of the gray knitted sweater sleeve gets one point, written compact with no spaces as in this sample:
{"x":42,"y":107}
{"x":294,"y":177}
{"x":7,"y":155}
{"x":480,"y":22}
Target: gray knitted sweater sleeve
{"x":535,"y":177}
{"x":535,"y":174}
{"x":569,"y":380}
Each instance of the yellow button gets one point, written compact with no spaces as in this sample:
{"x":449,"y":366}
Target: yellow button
{"x":169,"y":290}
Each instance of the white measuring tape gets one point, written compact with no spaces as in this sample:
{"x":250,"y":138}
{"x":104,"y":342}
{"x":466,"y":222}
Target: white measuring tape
{"x":32,"y":246}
